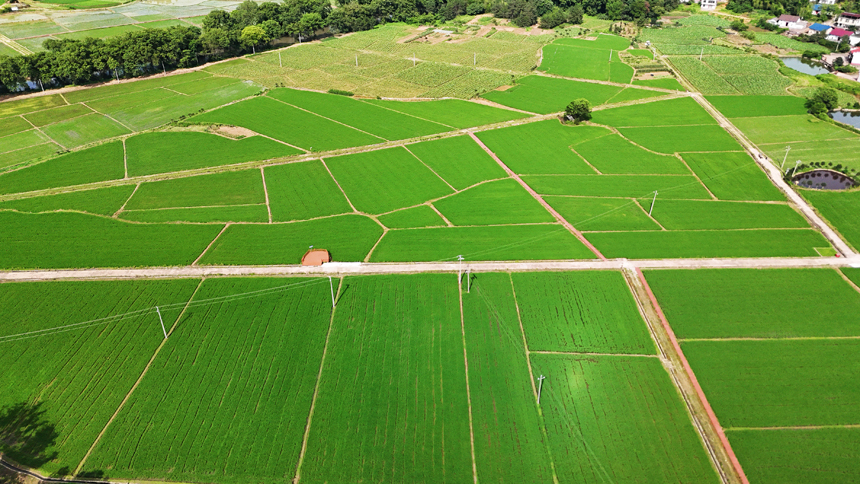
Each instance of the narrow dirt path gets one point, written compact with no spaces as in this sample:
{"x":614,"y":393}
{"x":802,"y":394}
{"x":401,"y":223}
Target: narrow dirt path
{"x":540,"y":199}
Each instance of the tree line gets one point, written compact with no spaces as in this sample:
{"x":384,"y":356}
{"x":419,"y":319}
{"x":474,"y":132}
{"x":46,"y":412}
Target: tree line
{"x":251,"y":25}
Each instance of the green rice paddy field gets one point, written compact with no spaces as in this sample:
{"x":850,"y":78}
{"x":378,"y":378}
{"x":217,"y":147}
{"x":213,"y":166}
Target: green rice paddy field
{"x":384,"y":375}
{"x":774,"y":351}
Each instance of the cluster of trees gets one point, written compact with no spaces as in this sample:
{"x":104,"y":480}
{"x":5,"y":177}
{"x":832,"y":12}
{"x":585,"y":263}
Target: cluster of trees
{"x":553,"y":13}
{"x":825,"y":99}
{"x":775,"y":7}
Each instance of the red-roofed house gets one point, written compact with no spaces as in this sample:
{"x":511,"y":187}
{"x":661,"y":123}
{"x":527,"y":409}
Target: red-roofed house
{"x":848,"y":20}
{"x":836,"y":35}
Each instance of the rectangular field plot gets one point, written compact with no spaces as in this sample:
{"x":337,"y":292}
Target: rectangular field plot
{"x":222,"y":214}
{"x":230,"y":188}
{"x":493,"y":203}
{"x":62,"y":113}
{"x":458,"y":160}
{"x":618,"y":419}
{"x":368,"y":179}
{"x":711,"y":215}
{"x":733,"y":176}
{"x":541,"y":148}
{"x":544,"y":95}
{"x":127,"y":88}
{"x":83,"y":130}
{"x":707,"y":243}
{"x":615,"y":155}
{"x":244,"y":360}
{"x":664,"y":83}
{"x":299,"y":191}
{"x":752,"y":106}
{"x":103,"y":201}
{"x":582,"y":312}
{"x":21,"y":156}
{"x":512,"y":242}
{"x":69,"y":240}
{"x":392,"y":402}
{"x":602,"y":213}
{"x":583,"y":63}
{"x":634,"y":94}
{"x":626,"y":186}
{"x":757,"y":303}
{"x":92,"y":340}
{"x":267,"y":116}
{"x":22,"y":140}
{"x":676,"y":139}
{"x":827,"y":153}
{"x":166,"y":152}
{"x":9,"y":126}
{"x":103,"y":162}
{"x":29,"y":105}
{"x":779,"y":383}
{"x":451,"y":112}
{"x":372,"y":119}
{"x":672,"y":112}
{"x":784,"y":129}
{"x":510,"y":445}
{"x":798,"y":456}
{"x":348,"y":238}
{"x":840,"y":209}
{"x":415,"y":217}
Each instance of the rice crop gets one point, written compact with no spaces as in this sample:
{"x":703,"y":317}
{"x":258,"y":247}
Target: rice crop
{"x":100,"y":163}
{"x":778,"y":383}
{"x":220,"y":214}
{"x":709,"y":244}
{"x":542,"y":147}
{"x":366,"y":180}
{"x":363,"y":116}
{"x":126,"y":88}
{"x":493,"y":203}
{"x":509,"y":443}
{"x":546,"y":95}
{"x":733,"y":176}
{"x":613,"y":154}
{"x":22,"y":139}
{"x":682,"y":138}
{"x":84,"y":130}
{"x":451,"y":112}
{"x":55,"y":115}
{"x":165,"y":152}
{"x":103,"y":201}
{"x":577,"y":62}
{"x":415,"y":217}
{"x":73,"y":240}
{"x":29,"y":105}
{"x":757,"y":303}
{"x":256,"y":357}
{"x":828,"y":153}
{"x":291,"y":125}
{"x":348,"y":238}
{"x":633,"y":94}
{"x":512,"y":242}
{"x":67,"y":383}
{"x":672,"y":112}
{"x":601,"y":41}
{"x":626,"y":186}
{"x":840,"y":210}
{"x":599,"y":411}
{"x":469,"y":166}
{"x":783,"y":129}
{"x":27,"y":155}
{"x":11,"y":126}
{"x":299,"y":191}
{"x":711,"y":215}
{"x":230,"y":188}
{"x":797,"y":456}
{"x":587,"y":312}
{"x":749,"y":106}
{"x":664,"y":83}
{"x":393,"y":386}
{"x":602,"y":213}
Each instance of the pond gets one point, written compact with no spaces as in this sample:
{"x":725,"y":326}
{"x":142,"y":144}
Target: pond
{"x":823,"y":180}
{"x":847,"y":117}
{"x":805,"y":66}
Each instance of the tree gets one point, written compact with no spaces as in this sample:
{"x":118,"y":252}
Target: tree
{"x":578,"y":111}
{"x":826,"y":96}
{"x":575,"y":14}
{"x":252,"y":36}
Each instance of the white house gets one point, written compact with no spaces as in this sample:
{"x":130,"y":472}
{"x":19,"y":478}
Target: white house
{"x":709,"y":4}
{"x":848,"y":20}
{"x":792,"y":22}
{"x":836,"y":35}
{"x":825,"y":2}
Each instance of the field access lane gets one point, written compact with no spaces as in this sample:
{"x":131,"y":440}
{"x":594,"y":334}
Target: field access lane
{"x":359,"y":268}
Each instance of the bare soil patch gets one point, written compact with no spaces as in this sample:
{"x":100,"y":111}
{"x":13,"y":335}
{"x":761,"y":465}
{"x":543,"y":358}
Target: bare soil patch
{"x":234,"y":132}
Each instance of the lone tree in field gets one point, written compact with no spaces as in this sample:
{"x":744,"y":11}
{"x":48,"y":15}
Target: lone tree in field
{"x":578,"y":111}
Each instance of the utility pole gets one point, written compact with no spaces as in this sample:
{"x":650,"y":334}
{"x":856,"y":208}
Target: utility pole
{"x":161,"y":321}
{"x":610,"y":55}
{"x":356,"y":60}
{"x":652,"y":203}
{"x":280,"y":63}
{"x":460,"y":268}
{"x":413,"y":59}
{"x":540,"y":386}
{"x":468,"y":281}
{"x":795,"y":167}
{"x":331,"y":286}
{"x":787,"y":149}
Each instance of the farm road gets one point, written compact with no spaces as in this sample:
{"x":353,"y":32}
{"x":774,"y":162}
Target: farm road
{"x":356,"y":268}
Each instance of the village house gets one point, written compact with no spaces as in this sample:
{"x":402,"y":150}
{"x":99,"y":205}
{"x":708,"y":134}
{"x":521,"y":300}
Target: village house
{"x":848,"y":20}
{"x":791,"y":22}
{"x":709,"y":4}
{"x":836,"y":35}
{"x":818,"y":28}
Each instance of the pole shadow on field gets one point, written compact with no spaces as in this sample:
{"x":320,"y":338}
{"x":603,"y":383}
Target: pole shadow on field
{"x":344,"y":287}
